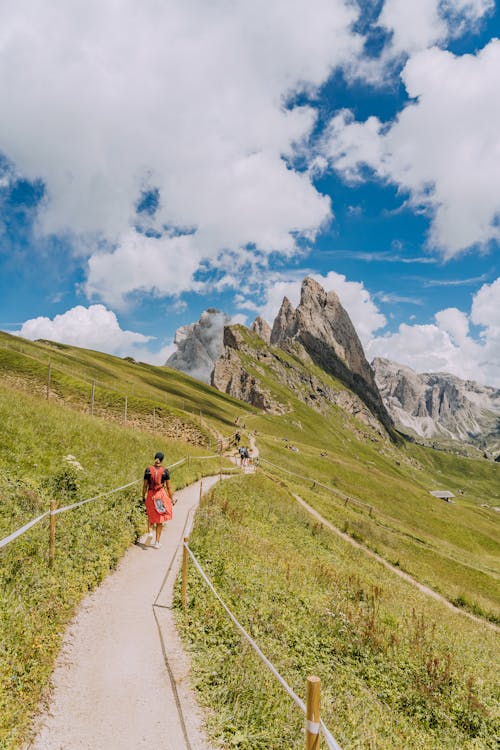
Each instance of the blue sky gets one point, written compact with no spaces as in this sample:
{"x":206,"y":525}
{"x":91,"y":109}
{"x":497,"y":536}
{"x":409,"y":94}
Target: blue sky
{"x":161,"y":159}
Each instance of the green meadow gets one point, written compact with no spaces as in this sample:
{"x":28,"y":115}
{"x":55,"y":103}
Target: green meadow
{"x":398,"y":669}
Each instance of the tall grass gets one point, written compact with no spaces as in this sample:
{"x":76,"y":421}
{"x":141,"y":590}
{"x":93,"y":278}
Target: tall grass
{"x":397,"y":670}
{"x":36,"y":602}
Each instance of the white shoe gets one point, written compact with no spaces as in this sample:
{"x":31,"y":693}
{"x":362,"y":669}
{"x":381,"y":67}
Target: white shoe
{"x":146,"y":539}
{"x":156,"y":545}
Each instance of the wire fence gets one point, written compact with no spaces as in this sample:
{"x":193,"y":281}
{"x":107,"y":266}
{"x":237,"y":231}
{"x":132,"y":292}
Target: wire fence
{"x":339,"y":493}
{"x":313,"y":728}
{"x":128,"y":403}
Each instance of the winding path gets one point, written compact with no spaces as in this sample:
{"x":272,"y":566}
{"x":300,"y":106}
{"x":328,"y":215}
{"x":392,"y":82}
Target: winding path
{"x":121,"y":680}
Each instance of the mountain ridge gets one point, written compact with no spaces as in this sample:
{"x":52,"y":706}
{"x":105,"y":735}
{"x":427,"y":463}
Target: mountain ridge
{"x":440,"y":406}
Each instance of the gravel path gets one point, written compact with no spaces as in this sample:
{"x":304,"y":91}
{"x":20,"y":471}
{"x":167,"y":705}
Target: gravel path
{"x":121,"y":680}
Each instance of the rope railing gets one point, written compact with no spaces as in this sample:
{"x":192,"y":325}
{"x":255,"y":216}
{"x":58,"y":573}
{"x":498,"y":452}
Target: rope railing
{"x":55,"y":511}
{"x":312,"y":728}
{"x":15,"y":534}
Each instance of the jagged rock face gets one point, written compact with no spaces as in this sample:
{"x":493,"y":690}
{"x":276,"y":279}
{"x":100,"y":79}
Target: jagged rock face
{"x":199,"y":345}
{"x":232,"y":377}
{"x":229,"y":376}
{"x":262,"y":329}
{"x":324,"y":329}
{"x":284,"y":324}
{"x":439,"y":404}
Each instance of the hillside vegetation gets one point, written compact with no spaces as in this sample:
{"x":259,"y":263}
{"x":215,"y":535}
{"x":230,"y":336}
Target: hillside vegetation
{"x":36,"y":602}
{"x":396,"y":666}
{"x":398,"y":670}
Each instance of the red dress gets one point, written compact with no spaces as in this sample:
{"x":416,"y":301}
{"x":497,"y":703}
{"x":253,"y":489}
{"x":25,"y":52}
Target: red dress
{"x":155,"y":476}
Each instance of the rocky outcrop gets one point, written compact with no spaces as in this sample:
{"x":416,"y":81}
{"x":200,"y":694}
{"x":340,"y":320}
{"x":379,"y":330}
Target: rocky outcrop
{"x":323,"y":328}
{"x":230,"y":376}
{"x":199,"y":345}
{"x":262,"y":328}
{"x":245,"y":364}
{"x":440,"y":405}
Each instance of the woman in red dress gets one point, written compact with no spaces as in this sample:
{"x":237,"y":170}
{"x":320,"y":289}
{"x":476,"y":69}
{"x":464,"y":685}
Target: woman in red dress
{"x":158,"y":495}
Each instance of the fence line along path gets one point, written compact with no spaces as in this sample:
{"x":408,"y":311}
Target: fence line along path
{"x":111,"y":688}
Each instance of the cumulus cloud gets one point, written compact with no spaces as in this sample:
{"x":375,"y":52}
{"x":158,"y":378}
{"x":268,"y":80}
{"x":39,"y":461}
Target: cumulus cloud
{"x":416,"y":26}
{"x":443,"y":149}
{"x":187,"y":98}
{"x":447,"y":345}
{"x":93,"y":327}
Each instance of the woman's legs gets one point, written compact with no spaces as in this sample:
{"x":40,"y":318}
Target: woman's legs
{"x":159,"y":529}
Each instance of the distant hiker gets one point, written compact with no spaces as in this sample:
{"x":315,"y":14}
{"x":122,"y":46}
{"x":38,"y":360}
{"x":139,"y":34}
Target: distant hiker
{"x":237,"y":438}
{"x":158,"y":495}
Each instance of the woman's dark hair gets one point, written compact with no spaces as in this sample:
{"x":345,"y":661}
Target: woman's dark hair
{"x":159,"y":456}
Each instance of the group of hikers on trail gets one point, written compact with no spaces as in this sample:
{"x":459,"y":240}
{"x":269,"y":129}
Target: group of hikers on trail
{"x":244,"y":456}
{"x":158,"y":496}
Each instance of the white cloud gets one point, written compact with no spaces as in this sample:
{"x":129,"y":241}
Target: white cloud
{"x":416,"y":26}
{"x":164,"y":267}
{"x":353,"y":296}
{"x":443,"y":148}
{"x":108,"y":98}
{"x":93,"y":327}
{"x":448,"y":345}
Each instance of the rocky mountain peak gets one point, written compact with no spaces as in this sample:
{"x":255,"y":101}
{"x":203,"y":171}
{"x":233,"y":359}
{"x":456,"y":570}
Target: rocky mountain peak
{"x":323,"y":328}
{"x":312,"y":294}
{"x":284,"y":323}
{"x":262,"y":328}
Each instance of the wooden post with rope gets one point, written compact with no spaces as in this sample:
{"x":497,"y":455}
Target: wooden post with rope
{"x":184,"y":572}
{"x":312,"y":713}
{"x":52,"y":533}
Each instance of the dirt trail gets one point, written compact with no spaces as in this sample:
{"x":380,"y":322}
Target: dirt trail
{"x":121,"y":680}
{"x":405,"y":576}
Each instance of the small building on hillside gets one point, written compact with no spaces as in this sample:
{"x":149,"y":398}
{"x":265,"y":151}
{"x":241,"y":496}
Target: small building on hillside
{"x":443,"y":495}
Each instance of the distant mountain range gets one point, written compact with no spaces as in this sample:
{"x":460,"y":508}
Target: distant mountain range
{"x":440,"y":406}
{"x":434,"y":407}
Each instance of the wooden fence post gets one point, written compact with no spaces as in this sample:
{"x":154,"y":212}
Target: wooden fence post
{"x":201,"y":489}
{"x":125,"y":410}
{"x":312,"y":713}
{"x":52,"y":533}
{"x":184,"y":572}
{"x":154,"y":418}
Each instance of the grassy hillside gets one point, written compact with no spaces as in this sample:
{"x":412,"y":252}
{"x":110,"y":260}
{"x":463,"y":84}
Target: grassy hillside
{"x":35,"y":602}
{"x":312,"y":601}
{"x":398,"y":670}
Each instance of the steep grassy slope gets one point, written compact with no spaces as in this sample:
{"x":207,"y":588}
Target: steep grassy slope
{"x":451,"y":547}
{"x":35,"y":602}
{"x":398,"y":669}
{"x":378,"y":492}
{"x":154,"y":397}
